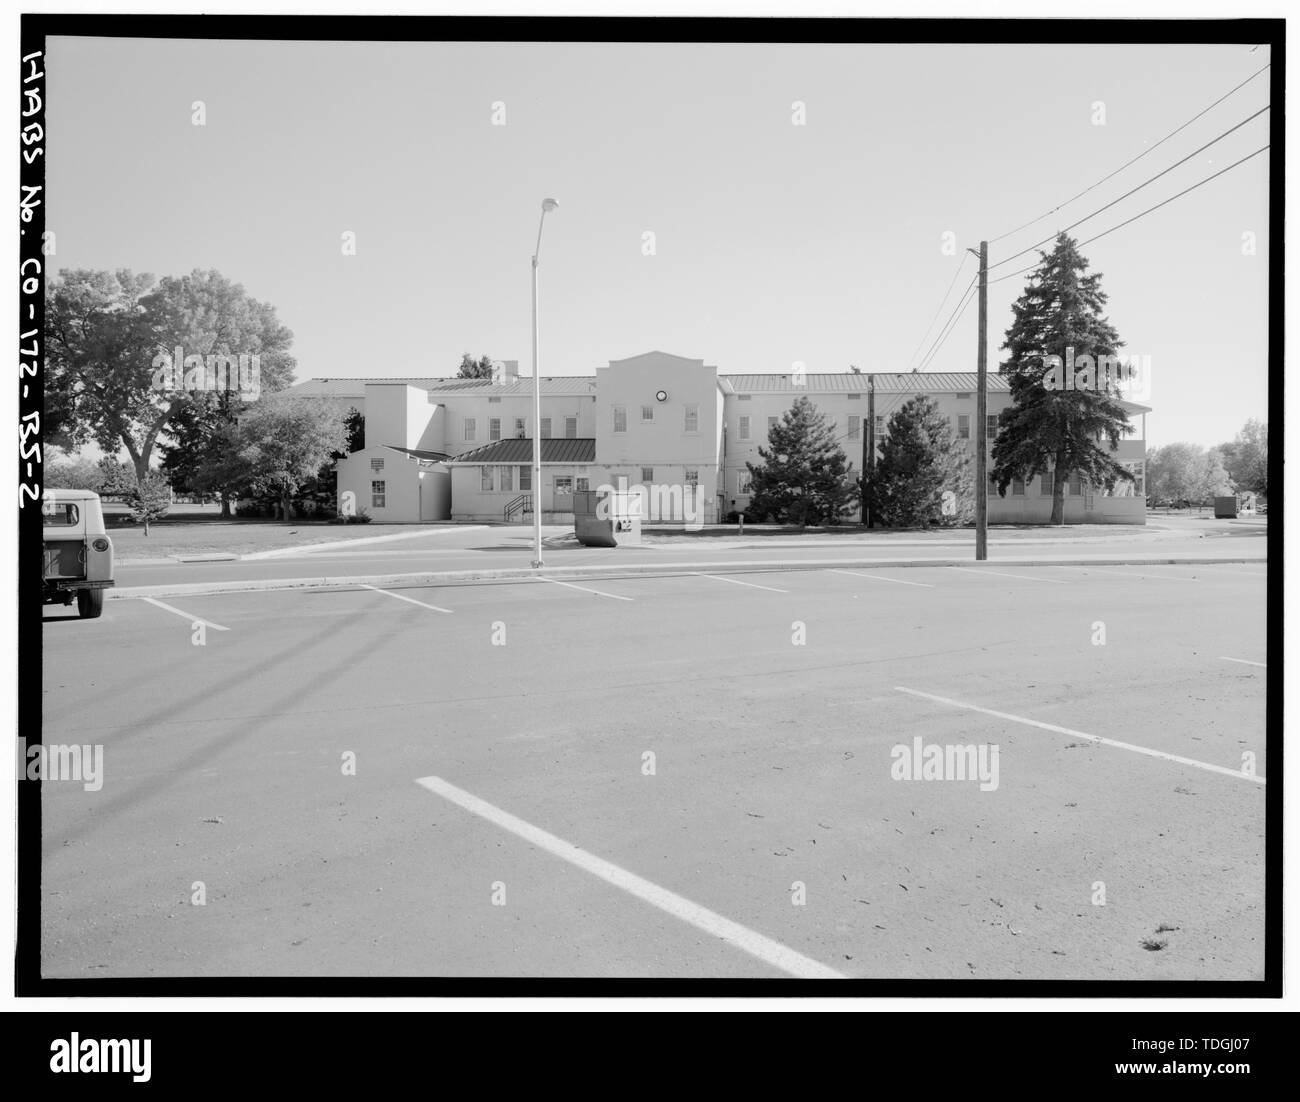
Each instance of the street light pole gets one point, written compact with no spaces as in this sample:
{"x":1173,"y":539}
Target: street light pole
{"x":548,"y":205}
{"x":981,"y":411}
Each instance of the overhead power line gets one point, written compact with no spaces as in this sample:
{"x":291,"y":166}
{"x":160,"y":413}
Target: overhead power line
{"x":1134,"y":160}
{"x":1140,"y":214}
{"x":967,"y":297}
{"x":942,"y":302}
{"x":1149,"y":180}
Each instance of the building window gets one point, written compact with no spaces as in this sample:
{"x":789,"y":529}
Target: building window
{"x":855,"y":426}
{"x":1076,"y":485}
{"x":1045,"y":481}
{"x":521,"y":429}
{"x":376,"y":464}
{"x":744,"y":428}
{"x":526,"y":479}
{"x":546,"y":428}
{"x":469,"y":428}
{"x":771,"y":424}
{"x":485,"y":478}
{"x":563,"y":484}
{"x":692,"y":423}
{"x":855,"y":397}
{"x":647,"y":413}
{"x":378,"y":494}
{"x":743,"y":482}
{"x":620,"y":418}
{"x":991,"y":424}
{"x":570,"y":427}
{"x":880,"y":426}
{"x":492,"y":401}
{"x":494,"y":428}
{"x":692,"y":477}
{"x":1017,"y":487}
{"x":962,"y":394}
{"x":507,"y":478}
{"x":647,"y":475}
{"x":743,"y":397}
{"x":963,"y":426}
{"x":584,"y":484}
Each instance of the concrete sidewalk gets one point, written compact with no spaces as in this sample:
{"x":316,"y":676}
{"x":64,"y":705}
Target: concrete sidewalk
{"x":666,"y":569}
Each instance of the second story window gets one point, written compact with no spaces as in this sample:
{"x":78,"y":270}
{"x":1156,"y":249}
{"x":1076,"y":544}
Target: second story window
{"x":744,"y":428}
{"x":469,"y":428}
{"x":571,"y":427}
{"x":692,"y":421}
{"x":546,"y":428}
{"x":855,"y":426}
{"x":494,"y":428}
{"x":647,"y":413}
{"x":963,"y":426}
{"x":620,"y":418}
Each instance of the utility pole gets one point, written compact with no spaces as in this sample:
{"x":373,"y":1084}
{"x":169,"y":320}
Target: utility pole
{"x":981,"y":408}
{"x":869,"y":448}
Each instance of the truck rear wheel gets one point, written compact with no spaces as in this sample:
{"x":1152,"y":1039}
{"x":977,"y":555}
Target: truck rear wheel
{"x":90,"y":603}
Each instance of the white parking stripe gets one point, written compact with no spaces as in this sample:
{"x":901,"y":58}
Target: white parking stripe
{"x":597,"y":592}
{"x":764,"y":948}
{"x":1243,"y":661}
{"x":1108,"y":572}
{"x":1091,"y":738}
{"x":880,"y":578}
{"x":1022,"y":577}
{"x":180,"y":612}
{"x":409,"y":600}
{"x":734,"y":581}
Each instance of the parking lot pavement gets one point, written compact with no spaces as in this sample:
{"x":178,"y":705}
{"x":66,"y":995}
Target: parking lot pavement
{"x":719,"y":749}
{"x":507,"y":549}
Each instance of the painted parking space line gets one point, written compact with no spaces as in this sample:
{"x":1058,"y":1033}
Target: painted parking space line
{"x":734,"y":581}
{"x":881,"y":578}
{"x":1083,"y":735}
{"x":995,"y":573}
{"x":1107,"y":572}
{"x":1243,"y":661}
{"x":585,"y":589}
{"x":400,"y":597}
{"x":756,"y":944}
{"x":182,"y":613}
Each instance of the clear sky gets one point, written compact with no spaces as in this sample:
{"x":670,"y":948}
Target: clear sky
{"x":775,"y":243}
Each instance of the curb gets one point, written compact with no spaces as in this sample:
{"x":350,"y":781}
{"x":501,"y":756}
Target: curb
{"x":472,"y":577}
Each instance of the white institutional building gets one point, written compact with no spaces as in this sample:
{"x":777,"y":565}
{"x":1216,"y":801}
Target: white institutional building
{"x":461,"y":449}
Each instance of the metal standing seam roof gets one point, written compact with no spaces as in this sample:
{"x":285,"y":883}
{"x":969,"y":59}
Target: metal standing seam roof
{"x":923,"y":382}
{"x":415,"y":453}
{"x":520,"y":450}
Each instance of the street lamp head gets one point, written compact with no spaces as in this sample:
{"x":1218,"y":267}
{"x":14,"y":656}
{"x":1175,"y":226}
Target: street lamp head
{"x":549,"y":205}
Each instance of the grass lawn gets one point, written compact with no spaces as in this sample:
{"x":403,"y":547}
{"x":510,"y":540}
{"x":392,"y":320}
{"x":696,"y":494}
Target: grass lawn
{"x":200,"y":529}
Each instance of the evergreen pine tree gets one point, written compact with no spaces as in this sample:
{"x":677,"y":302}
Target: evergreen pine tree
{"x":804,"y":474}
{"x":1067,"y":431}
{"x":923,"y":475}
